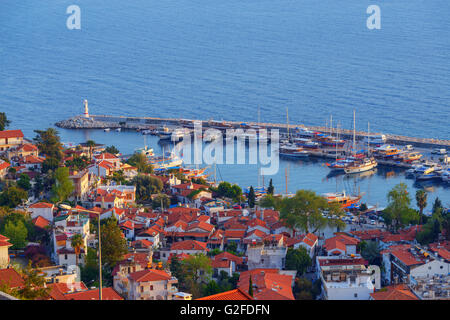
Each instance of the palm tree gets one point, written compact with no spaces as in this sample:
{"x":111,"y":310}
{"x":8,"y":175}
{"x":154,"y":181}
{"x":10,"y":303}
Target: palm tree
{"x":77,"y":243}
{"x":91,"y":145}
{"x":421,"y":199}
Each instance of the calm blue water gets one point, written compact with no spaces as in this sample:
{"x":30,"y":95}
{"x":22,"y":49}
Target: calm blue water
{"x":223,"y":59}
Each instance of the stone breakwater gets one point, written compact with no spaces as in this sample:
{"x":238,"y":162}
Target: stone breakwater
{"x":142,"y":123}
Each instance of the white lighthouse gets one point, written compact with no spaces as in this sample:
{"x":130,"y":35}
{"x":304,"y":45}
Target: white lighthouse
{"x":86,"y":109}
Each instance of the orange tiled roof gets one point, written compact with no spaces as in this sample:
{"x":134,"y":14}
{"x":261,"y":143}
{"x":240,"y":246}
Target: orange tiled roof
{"x":41,"y":222}
{"x":107,"y":294}
{"x":189,"y":245}
{"x":149,"y":275}
{"x":11,"y":278}
{"x":41,"y":205}
{"x":11,"y":134}
{"x":236,"y":294}
{"x":396,"y":292}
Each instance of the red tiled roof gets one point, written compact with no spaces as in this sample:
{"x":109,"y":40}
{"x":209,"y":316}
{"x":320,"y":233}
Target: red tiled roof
{"x":11,"y":278}
{"x":41,"y":205}
{"x":395,"y":292}
{"x":107,"y":294}
{"x":4,"y":165}
{"x":189,"y":245}
{"x":235,"y":234}
{"x":269,"y":284}
{"x":41,"y":222}
{"x":149,"y":275}
{"x":236,"y":294}
{"x":201,"y":225}
{"x":11,"y":134}
{"x":406,"y":257}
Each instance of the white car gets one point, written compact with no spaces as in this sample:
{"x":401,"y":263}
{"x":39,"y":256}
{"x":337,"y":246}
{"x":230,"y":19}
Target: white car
{"x":439,"y":151}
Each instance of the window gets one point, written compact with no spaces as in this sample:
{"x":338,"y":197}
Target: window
{"x":165,"y":286}
{"x":442,"y":267}
{"x":356,"y":295}
{"x":142,"y":288}
{"x":151,"y":288}
{"x":65,"y":257}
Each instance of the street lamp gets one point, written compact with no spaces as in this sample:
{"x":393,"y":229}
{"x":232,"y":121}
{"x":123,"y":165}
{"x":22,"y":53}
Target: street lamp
{"x":67,"y":207}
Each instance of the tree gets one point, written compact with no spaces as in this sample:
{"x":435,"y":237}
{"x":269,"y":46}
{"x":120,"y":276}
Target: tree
{"x":17,"y":234}
{"x":161,"y":198}
{"x":49,"y":143}
{"x":34,"y":287}
{"x":398,"y":213}
{"x":77,"y":244}
{"x":112,"y":150}
{"x":4,"y":122}
{"x":50,"y":164}
{"x":139,"y":160}
{"x":63,"y":186}
{"x":298,"y":259}
{"x":226,"y":189}
{"x":306,"y":211}
{"x":231,"y":247}
{"x":114,"y":246}
{"x":304,"y":289}
{"x":90,"y":144}
{"x":119,"y":177}
{"x":251,"y":197}
{"x":38,"y":186}
{"x":437,"y":205}
{"x":12,"y":197}
{"x":197,"y":270}
{"x":146,"y":186}
{"x":176,"y":268}
{"x":421,"y":199}
{"x":270,"y":189}
{"x":24,"y":182}
{"x":371,"y":252}
{"x":250,"y":286}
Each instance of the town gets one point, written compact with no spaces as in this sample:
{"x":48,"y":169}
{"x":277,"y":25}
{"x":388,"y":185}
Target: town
{"x":83,"y":223}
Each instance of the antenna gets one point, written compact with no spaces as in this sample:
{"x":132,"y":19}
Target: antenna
{"x":287,"y":122}
{"x":354,"y":132}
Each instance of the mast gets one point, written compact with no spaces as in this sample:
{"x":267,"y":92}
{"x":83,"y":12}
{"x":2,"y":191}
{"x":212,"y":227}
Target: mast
{"x":354,"y":132}
{"x":331,"y":125}
{"x":287,"y":123}
{"x":368,"y":139}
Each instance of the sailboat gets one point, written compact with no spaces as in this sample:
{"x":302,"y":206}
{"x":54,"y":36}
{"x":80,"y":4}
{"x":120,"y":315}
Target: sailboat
{"x":366,"y":164}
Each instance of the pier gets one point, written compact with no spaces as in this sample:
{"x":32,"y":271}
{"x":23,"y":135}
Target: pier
{"x":144,"y":123}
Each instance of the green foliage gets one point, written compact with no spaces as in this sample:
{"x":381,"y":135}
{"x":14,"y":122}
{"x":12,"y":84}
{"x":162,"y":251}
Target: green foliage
{"x":298,"y":259}
{"x":250,"y":287}
{"x":38,"y":186}
{"x":194,"y":193}
{"x":4,"y":122}
{"x":271,"y":188}
{"x":112,"y":150}
{"x":119,"y":177}
{"x":77,"y":163}
{"x":437,"y":205}
{"x":231,"y":247}
{"x":161,"y":198}
{"x":34,"y":287}
{"x":12,"y":197}
{"x":17,"y":218}
{"x":226,"y":189}
{"x":363,"y":207}
{"x":77,"y":243}
{"x":63,"y":186}
{"x":114,"y":246}
{"x":146,"y":186}
{"x":197,"y":272}
{"x":50,"y":164}
{"x":434,"y":226}
{"x":251,"y":197}
{"x":214,"y":252}
{"x":139,"y":160}
{"x":305,"y":211}
{"x":49,"y":143}
{"x":421,"y":199}
{"x":398,"y":213}
{"x":17,"y":233}
{"x":371,"y":252}
{"x":24,"y":182}
{"x":304,"y":289}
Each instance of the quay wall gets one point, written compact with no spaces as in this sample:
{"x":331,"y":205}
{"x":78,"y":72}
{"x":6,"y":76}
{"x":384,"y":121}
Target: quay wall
{"x":141,"y":123}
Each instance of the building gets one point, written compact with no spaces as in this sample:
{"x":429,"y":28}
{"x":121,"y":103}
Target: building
{"x":42,"y":209}
{"x":268,"y":284}
{"x":236,"y":294}
{"x":81,"y":184}
{"x":151,"y":284}
{"x":10,"y":139}
{"x":341,"y":244}
{"x":395,"y":292}
{"x":347,"y":278}
{"x":4,"y":251}
{"x":93,"y":294}
{"x":4,"y":167}
{"x":266,"y":256}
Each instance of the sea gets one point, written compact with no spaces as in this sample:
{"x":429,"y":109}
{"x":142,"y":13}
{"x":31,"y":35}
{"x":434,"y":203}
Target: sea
{"x":225,"y":60}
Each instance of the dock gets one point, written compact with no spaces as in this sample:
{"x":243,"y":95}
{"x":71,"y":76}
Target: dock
{"x":148,"y":123}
